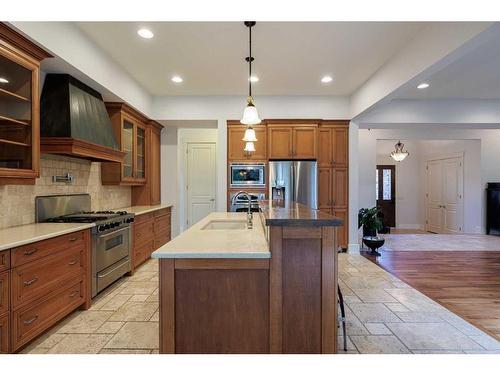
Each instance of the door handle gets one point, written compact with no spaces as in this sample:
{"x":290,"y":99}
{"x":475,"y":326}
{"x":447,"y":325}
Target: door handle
{"x":212,"y":200}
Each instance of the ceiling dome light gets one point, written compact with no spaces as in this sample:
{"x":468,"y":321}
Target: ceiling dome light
{"x":254,"y":79}
{"x":249,"y":147}
{"x":177,"y":79}
{"x":249,"y":135}
{"x":423,"y":85}
{"x":399,"y":154}
{"x":3,"y":80}
{"x":145,"y":33}
{"x":326,"y":79}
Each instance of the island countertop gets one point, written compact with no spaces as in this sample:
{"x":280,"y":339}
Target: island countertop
{"x":199,"y":243}
{"x":289,"y":213}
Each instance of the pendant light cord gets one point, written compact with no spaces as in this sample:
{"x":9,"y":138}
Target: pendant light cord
{"x":250,"y":62}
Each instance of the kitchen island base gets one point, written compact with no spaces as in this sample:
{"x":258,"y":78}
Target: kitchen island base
{"x":284,"y":304}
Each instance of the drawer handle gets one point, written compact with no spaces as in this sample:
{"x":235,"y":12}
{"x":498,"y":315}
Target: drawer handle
{"x":73,"y":239}
{"x":32,"y":281}
{"x":73,"y":294}
{"x":29,"y":321}
{"x":73,"y":262}
{"x":30,"y":252}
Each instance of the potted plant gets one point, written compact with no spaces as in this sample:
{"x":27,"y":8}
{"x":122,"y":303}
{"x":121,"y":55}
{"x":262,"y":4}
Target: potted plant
{"x":370,"y":220}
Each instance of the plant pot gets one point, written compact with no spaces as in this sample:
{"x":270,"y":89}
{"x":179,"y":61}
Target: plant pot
{"x":369,"y":232}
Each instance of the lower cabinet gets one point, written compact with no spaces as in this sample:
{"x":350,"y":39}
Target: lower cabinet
{"x":151,"y":231}
{"x":4,"y":334}
{"x":47,"y":281}
{"x":342,"y":231}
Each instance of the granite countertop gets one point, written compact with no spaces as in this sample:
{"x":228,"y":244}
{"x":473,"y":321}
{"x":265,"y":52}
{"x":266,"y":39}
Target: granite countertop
{"x":218,"y":243}
{"x":139,"y":210}
{"x":25,"y":234}
{"x":289,"y":213}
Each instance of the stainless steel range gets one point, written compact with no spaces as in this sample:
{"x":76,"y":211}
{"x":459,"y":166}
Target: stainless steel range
{"x":111,"y":236}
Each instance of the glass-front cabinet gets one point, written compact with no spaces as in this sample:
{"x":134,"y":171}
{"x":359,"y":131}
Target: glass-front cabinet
{"x":19,"y":110}
{"x":130,"y":130}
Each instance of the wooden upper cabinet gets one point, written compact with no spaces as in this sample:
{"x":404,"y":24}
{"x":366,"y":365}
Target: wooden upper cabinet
{"x":292,"y":141}
{"x":149,"y":193}
{"x":304,"y":142}
{"x":325,"y":147}
{"x":279,"y":142}
{"x":340,"y":147}
{"x":236,"y":145}
{"x":130,"y":128}
{"x":19,"y":108}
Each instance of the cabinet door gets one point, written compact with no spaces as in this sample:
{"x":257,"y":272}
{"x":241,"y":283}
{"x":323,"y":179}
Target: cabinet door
{"x":4,"y":292}
{"x":304,"y":142}
{"x":342,"y":238}
{"x":155,"y":163}
{"x":325,"y":149}
{"x":4,"y":333}
{"x":280,"y":142}
{"x":325,"y":188}
{"x":339,"y":187}
{"x":236,"y":144}
{"x":340,"y":140}
{"x":140,"y":152}
{"x":128,"y":148}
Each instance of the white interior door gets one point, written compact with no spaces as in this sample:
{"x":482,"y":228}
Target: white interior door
{"x":444,"y":196}
{"x":201,"y":181}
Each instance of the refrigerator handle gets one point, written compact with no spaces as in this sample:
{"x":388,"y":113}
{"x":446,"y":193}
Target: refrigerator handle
{"x":294,"y":197}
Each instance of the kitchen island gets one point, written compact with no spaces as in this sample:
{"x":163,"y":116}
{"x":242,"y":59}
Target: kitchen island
{"x":270,"y":289}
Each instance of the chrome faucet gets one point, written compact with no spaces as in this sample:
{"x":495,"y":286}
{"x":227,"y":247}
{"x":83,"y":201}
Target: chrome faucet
{"x":249,"y":212}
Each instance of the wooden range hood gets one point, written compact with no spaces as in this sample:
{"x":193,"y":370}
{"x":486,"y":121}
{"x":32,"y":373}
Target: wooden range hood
{"x":74,"y":121}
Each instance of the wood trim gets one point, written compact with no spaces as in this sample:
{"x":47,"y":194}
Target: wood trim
{"x":327,"y":123}
{"x":4,"y":260}
{"x":167,"y":306}
{"x":328,"y":291}
{"x":87,"y":292}
{"x":83,"y":149}
{"x":222,"y":264}
{"x":129,"y":110}
{"x":276,"y":291}
{"x":301,"y":232}
{"x":18,"y":41}
{"x":292,"y":121}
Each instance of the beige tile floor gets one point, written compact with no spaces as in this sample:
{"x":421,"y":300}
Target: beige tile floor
{"x":384,"y":315}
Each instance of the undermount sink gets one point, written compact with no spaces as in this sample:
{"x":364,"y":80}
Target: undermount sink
{"x":225,"y":224}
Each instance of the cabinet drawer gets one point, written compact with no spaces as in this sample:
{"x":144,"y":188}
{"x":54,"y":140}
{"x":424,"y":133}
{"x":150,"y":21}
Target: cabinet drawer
{"x":143,"y":233}
{"x":35,"y":279}
{"x":162,"y":212}
{"x":143,"y":253}
{"x":161,"y":239}
{"x":4,"y":334}
{"x":4,"y":260}
{"x":139,"y":219}
{"x":35,"y":318}
{"x":162,"y":224}
{"x":37,"y":250}
{"x":4,"y":292}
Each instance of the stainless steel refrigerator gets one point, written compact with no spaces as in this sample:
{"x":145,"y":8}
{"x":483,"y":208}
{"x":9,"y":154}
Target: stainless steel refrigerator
{"x":294,"y":181}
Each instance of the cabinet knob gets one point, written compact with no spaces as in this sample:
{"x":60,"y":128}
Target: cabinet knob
{"x":30,"y":252}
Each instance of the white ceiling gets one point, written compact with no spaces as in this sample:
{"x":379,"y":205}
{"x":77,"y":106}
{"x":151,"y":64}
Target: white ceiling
{"x":473,"y":76}
{"x":291,"y":57}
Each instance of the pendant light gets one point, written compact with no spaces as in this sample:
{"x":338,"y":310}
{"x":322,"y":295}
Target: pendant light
{"x":250,"y":114}
{"x":399,"y":154}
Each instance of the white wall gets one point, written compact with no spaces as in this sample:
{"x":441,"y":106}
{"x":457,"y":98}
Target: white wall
{"x":482,"y":152}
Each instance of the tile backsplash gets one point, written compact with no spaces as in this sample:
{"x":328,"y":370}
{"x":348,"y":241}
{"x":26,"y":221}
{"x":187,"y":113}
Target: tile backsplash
{"x":17,"y":202}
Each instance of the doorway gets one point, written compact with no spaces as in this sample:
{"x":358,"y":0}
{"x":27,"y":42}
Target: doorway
{"x":200,"y":188}
{"x":444,"y":195}
{"x":386,"y":193}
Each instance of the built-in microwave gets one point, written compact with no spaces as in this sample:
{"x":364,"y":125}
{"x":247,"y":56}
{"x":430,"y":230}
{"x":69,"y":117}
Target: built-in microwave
{"x":248,"y":175}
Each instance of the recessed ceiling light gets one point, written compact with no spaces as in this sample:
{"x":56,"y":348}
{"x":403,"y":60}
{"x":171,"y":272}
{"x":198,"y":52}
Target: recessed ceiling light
{"x":423,"y":85}
{"x":254,"y":79}
{"x":3,"y":80}
{"x":145,"y":33}
{"x":177,"y":79}
{"x":326,"y":79}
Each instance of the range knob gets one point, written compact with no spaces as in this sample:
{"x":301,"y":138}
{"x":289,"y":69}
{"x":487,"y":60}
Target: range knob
{"x":107,"y":226}
{"x":130,"y":220}
{"x":101,"y":228}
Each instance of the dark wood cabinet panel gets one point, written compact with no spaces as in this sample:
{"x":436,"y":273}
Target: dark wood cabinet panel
{"x":325,"y":147}
{"x":339,"y":188}
{"x":4,"y":334}
{"x":280,"y":142}
{"x":340,"y":147}
{"x":304,"y":142}
{"x":4,"y":260}
{"x":4,"y":292}
{"x":236,"y":145}
{"x":324,"y":188}
{"x":230,"y":308}
{"x":342,"y":232}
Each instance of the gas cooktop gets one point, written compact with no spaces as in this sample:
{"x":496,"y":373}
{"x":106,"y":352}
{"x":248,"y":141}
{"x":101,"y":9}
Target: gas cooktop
{"x":87,"y":217}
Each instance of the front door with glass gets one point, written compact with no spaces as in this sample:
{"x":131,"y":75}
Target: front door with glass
{"x":386,"y":193}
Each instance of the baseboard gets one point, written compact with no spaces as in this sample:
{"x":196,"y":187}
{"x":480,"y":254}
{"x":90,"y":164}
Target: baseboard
{"x":353,"y":248}
{"x":410,"y":226}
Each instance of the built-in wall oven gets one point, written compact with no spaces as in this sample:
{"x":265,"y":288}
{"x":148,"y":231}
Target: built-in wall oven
{"x":248,"y":175}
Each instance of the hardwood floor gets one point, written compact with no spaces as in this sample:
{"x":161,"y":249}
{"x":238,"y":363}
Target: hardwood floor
{"x":467,"y":283}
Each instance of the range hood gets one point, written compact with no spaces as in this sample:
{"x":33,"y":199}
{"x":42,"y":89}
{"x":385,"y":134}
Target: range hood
{"x":74,"y":121}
